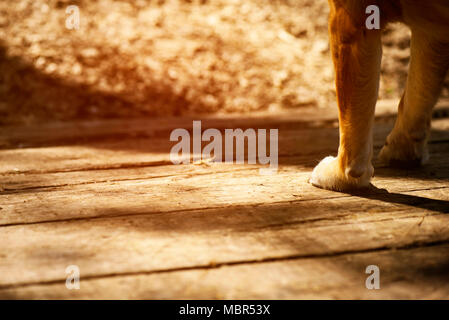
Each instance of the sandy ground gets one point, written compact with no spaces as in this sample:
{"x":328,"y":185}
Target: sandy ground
{"x":148,"y":58}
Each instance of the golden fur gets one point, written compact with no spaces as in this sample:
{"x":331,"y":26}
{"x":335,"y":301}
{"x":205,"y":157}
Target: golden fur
{"x":356,"y":53}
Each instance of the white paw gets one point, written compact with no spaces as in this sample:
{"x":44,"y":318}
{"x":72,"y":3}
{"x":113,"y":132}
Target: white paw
{"x":400,"y":150}
{"x":328,"y":175}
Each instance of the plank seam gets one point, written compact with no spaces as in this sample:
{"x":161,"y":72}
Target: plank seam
{"x":130,"y":165}
{"x":18,"y":190}
{"x":141,"y":214}
{"x":212,"y":266}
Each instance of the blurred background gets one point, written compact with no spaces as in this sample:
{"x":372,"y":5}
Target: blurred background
{"x":173,"y":57}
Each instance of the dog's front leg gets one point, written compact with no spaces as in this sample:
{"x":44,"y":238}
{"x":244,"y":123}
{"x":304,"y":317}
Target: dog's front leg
{"x":357,"y":55}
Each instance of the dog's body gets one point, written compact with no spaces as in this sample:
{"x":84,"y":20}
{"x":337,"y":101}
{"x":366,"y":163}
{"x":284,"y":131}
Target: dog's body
{"x":357,"y":55}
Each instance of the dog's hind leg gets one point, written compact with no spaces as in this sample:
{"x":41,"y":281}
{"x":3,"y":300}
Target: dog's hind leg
{"x":407,"y":143}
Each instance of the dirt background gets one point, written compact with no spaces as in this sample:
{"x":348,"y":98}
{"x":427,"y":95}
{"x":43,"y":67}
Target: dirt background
{"x":173,"y":57}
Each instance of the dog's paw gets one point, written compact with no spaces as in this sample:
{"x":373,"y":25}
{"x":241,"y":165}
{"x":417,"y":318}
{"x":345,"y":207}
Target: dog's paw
{"x":404,"y":152}
{"x":328,"y":175}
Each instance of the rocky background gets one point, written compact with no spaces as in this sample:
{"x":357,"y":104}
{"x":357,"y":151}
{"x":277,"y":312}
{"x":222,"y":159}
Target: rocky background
{"x":172,"y":57}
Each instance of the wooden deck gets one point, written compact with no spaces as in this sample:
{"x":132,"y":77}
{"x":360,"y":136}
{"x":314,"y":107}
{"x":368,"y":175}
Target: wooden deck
{"x":104,"y":196}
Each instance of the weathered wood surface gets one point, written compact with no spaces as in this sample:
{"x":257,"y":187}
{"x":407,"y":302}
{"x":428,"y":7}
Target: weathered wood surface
{"x":112,"y":152}
{"x":407,"y":274}
{"x":139,"y":227}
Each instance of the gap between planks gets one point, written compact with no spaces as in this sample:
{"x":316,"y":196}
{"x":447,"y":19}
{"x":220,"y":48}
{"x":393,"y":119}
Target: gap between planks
{"x":213,"y":266}
{"x":221,"y":207}
{"x":150,"y":196}
{"x":145,"y":153}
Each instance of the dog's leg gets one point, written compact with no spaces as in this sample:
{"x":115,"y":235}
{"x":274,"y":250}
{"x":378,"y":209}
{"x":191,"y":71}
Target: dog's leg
{"x":357,"y":56}
{"x":407,"y":143}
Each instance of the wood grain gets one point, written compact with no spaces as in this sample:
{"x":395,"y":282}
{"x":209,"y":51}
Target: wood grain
{"x":104,"y":196}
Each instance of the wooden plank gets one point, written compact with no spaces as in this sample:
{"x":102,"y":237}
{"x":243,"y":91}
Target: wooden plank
{"x":62,"y":133}
{"x":199,"y":238}
{"x":417,"y":273}
{"x":140,"y":152}
{"x":151,"y":219}
{"x":182,"y":192}
{"x":19,"y":181}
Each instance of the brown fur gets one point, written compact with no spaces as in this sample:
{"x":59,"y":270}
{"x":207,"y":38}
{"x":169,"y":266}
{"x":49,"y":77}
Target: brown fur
{"x":356,"y":53}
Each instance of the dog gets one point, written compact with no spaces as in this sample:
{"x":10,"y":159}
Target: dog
{"x":356,"y":53}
